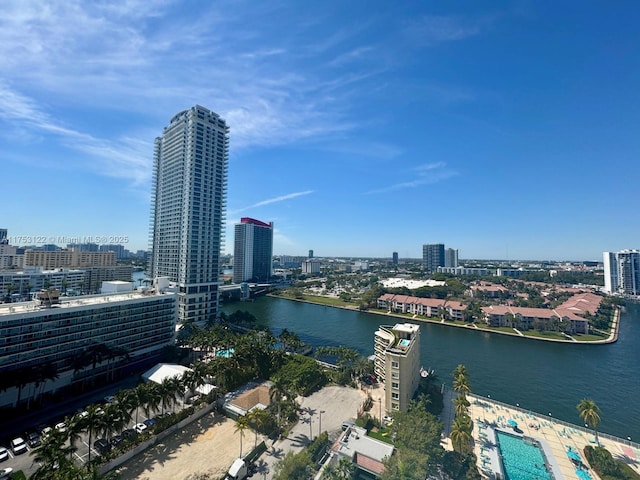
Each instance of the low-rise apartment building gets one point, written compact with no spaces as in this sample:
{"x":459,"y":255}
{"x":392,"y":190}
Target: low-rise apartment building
{"x":428,"y":307}
{"x":572,"y":311}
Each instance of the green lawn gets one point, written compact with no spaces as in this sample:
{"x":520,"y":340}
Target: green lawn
{"x":589,"y":337}
{"x":380,"y":435}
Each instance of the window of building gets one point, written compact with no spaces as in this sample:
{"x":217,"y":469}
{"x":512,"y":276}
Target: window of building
{"x":395,"y":375}
{"x":395,"y":406}
{"x":395,"y":396}
{"x":395,"y":365}
{"x":394,"y":385}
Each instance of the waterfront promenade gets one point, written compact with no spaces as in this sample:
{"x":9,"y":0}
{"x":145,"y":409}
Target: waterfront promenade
{"x":556,"y":435}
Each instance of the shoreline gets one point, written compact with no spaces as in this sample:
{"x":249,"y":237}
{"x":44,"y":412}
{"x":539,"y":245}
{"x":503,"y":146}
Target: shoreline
{"x":612,"y":338}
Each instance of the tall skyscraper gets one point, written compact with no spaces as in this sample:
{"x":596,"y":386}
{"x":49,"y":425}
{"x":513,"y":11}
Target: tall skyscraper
{"x":622,"y":272}
{"x":3,"y":237}
{"x":432,"y":257}
{"x":188,"y":208}
{"x":253,"y":251}
{"x":310,"y":254}
{"x":451,"y":257}
{"x":394,"y":258}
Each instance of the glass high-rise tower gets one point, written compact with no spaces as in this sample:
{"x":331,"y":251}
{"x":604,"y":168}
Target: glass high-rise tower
{"x":253,"y":251}
{"x":188,"y":207}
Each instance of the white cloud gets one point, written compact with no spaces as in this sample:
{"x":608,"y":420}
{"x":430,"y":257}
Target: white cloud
{"x":433,"y":29}
{"x":426,"y":174}
{"x":269,"y":201}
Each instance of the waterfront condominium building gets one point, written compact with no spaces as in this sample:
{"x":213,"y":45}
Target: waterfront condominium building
{"x":253,"y":251}
{"x":622,"y":272}
{"x":63,"y":336}
{"x":397,"y":363}
{"x":188,"y":207}
{"x":432,"y":257}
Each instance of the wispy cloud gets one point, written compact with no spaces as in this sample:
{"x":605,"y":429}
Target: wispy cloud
{"x":425,"y":174}
{"x":152,"y":62}
{"x":269,"y":201}
{"x":431,"y":29}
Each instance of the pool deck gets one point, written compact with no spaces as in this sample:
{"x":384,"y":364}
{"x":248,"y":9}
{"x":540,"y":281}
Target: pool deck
{"x":554,"y":436}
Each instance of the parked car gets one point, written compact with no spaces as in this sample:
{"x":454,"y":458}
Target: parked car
{"x":5,"y":473}
{"x":18,"y":446}
{"x":139,"y":427}
{"x":61,"y":427}
{"x":102,"y":445}
{"x":4,"y":454}
{"x":109,"y":399}
{"x":129,"y":433}
{"x":150,"y":422}
{"x":33,"y":439}
{"x":116,"y":440}
{"x":46,"y":431}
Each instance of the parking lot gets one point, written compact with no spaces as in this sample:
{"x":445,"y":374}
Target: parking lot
{"x":25,"y":461}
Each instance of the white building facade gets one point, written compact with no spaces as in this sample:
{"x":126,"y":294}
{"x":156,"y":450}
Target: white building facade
{"x":622,"y":272}
{"x":188,"y":208}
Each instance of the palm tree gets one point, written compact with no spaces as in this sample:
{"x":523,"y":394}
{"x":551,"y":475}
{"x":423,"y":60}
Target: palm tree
{"x":93,"y":422}
{"x":257,"y":419}
{"x":167,"y":392}
{"x":277,"y":393}
{"x":53,"y":455}
{"x":461,"y":385}
{"x":75,"y":425}
{"x":590,"y":414}
{"x":461,"y":405}
{"x":242,"y":423}
{"x":461,"y":435}
{"x":127,"y":402}
{"x":460,"y":371}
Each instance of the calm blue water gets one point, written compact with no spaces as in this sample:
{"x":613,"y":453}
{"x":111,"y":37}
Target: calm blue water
{"x":541,"y":376}
{"x":521,"y":460}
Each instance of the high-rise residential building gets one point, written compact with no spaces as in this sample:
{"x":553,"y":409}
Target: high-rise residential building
{"x":432,"y":257}
{"x":397,"y":363}
{"x":310,"y":253}
{"x":253,"y":251}
{"x":188,"y":208}
{"x":622,"y":272}
{"x":451,"y":257}
{"x":3,"y":237}
{"x":394,"y":258}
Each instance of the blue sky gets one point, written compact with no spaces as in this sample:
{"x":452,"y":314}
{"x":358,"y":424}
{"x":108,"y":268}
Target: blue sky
{"x":506,"y":129}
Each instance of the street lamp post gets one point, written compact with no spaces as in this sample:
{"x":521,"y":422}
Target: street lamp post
{"x":310,"y":432}
{"x":320,"y":423}
{"x":380,"y":405}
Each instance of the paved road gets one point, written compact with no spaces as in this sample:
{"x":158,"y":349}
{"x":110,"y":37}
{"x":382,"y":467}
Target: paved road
{"x":325,"y":409}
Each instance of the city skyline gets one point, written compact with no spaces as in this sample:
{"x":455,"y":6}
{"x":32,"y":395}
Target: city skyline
{"x":360,"y":129}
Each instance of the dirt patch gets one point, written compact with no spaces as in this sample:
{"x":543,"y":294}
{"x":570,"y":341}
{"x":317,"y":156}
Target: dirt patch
{"x":209,"y":445}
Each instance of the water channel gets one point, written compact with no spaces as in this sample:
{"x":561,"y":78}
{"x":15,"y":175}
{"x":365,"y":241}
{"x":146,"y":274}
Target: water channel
{"x":548,"y":378}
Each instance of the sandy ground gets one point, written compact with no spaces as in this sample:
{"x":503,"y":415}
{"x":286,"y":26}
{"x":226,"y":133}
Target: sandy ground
{"x":558,"y":436}
{"x":209,"y":445}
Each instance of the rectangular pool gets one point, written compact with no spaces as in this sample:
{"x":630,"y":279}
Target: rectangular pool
{"x":522,"y":458}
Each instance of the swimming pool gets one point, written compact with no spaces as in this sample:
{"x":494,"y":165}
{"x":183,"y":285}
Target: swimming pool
{"x":225,"y":353}
{"x":521,"y":459}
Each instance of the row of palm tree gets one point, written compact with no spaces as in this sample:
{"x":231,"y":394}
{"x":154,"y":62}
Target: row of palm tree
{"x":462,"y":424}
{"x":111,"y":419}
